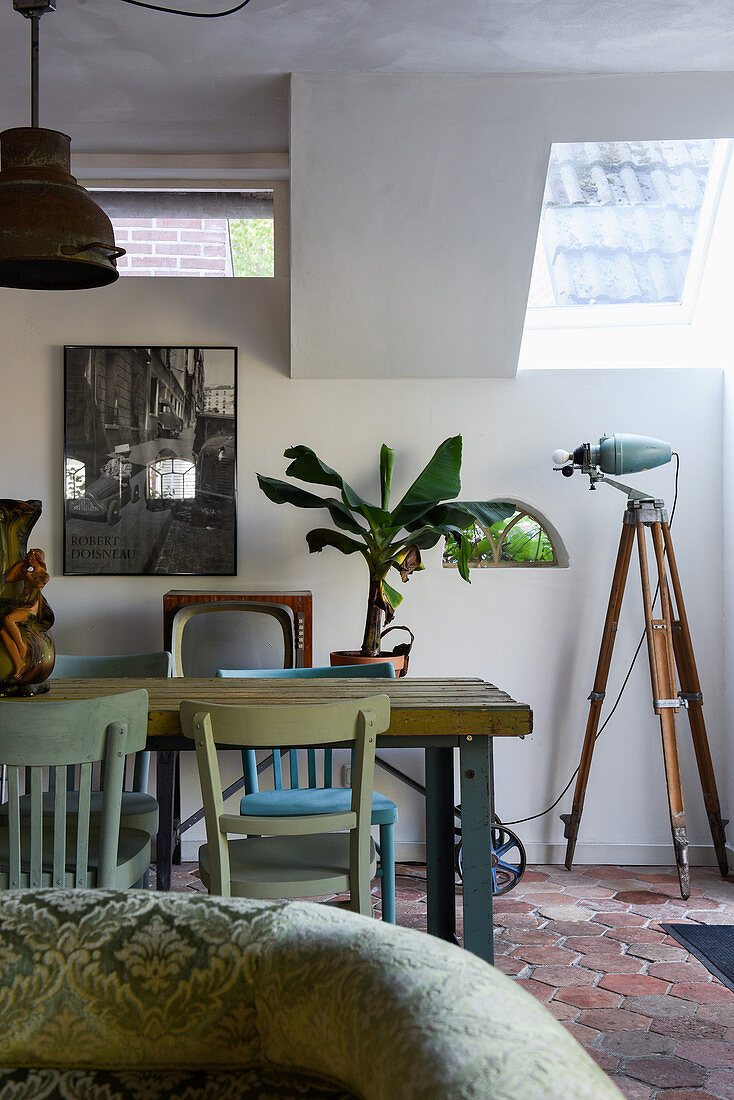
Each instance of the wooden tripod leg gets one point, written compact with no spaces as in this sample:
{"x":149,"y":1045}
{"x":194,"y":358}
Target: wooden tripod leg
{"x":691,"y":692}
{"x":571,"y":821}
{"x":664,"y":690}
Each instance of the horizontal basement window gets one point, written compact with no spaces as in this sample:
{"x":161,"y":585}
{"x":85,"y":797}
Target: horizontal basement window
{"x":193,"y":233}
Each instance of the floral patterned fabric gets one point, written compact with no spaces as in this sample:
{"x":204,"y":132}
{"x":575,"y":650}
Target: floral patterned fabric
{"x":208,"y":998}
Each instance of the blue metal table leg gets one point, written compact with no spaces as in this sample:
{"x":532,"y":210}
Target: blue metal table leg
{"x":440,"y":842}
{"x":476,"y":816}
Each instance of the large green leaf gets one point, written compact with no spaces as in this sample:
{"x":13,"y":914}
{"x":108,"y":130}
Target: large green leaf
{"x":307,"y":466}
{"x":439,"y":480}
{"x":424,"y":538}
{"x":487,"y":512}
{"x":282,"y":492}
{"x":323,"y":536}
{"x":464,"y":513}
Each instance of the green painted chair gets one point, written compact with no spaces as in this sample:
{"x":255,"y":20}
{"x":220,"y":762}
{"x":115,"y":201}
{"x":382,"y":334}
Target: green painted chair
{"x":315,"y":797}
{"x":58,"y":740}
{"x":304,"y":855}
{"x":139,"y":809}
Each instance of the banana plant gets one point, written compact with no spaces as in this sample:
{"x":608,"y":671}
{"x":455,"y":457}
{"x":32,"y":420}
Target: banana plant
{"x":387,"y":538}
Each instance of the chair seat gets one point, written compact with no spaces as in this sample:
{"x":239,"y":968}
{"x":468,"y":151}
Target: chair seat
{"x":292,"y":866}
{"x":139,"y":810}
{"x":133,"y":853}
{"x":314,"y":800}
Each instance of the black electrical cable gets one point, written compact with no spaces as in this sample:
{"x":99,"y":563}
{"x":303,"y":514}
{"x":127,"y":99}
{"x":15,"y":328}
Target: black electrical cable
{"x":599,"y":732}
{"x":190,"y":14}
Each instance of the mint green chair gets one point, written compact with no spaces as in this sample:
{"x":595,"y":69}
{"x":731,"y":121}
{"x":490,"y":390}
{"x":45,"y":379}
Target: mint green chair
{"x":139,"y":809}
{"x":303,"y":855}
{"x":58,"y":741}
{"x":312,"y":798}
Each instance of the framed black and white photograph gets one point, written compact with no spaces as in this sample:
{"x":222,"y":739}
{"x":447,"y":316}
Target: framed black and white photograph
{"x":149,"y":461}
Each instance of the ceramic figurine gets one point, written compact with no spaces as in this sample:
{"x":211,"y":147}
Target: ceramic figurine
{"x":26,"y":647}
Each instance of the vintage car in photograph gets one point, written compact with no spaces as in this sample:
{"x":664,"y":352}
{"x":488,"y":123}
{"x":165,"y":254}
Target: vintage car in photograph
{"x":104,"y":499}
{"x":170,"y":426}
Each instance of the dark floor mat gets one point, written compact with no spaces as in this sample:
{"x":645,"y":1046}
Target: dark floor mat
{"x":712,"y":944}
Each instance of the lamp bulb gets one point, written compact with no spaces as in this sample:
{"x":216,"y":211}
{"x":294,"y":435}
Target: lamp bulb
{"x":560,"y":457}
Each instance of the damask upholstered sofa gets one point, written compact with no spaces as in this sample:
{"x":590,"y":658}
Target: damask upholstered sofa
{"x":143,"y":996}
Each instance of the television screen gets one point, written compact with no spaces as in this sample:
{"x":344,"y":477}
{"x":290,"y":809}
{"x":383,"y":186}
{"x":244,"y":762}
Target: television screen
{"x":232,"y":638}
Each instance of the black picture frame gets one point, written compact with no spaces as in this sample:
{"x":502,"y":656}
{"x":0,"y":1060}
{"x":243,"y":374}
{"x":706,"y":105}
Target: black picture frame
{"x":150,"y":460}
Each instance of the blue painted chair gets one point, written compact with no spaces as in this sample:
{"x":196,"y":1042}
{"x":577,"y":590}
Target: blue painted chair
{"x":312,"y":798}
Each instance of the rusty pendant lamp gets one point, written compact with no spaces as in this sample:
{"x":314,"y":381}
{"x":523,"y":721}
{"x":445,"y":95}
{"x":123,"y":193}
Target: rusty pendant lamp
{"x":53,"y":236}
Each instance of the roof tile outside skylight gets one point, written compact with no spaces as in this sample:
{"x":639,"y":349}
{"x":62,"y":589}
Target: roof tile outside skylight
{"x":619,"y":221}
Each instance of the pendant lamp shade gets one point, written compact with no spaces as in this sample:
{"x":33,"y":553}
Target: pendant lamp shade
{"x":53,"y":236}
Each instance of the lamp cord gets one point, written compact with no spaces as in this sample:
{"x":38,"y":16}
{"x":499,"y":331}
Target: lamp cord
{"x":533,"y":817}
{"x":190,"y":14}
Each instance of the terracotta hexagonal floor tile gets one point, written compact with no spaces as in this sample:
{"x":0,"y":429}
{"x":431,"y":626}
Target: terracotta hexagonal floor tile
{"x":711,"y":1053}
{"x":612,"y":964}
{"x":659,"y":1005}
{"x":575,"y":928}
{"x":629,"y":984}
{"x":544,"y":956}
{"x":721,"y":1083}
{"x":539,"y":990}
{"x":584,"y":997}
{"x":632,"y":1090}
{"x":703,"y":993}
{"x":599,"y":945}
{"x":584,"y":1035}
{"x":636,"y":1044}
{"x":561,"y":1010}
{"x":563,"y":976}
{"x":679,"y":972}
{"x":687,"y":1027}
{"x":621,"y":919}
{"x":640,"y":897}
{"x":666,"y":1071}
{"x":688,"y":1094}
{"x":613,"y":1019}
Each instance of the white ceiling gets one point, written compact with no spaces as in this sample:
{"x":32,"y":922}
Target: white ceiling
{"x":121,"y":79}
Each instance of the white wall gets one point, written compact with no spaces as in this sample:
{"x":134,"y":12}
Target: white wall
{"x":533,"y":633}
{"x":415,"y":206}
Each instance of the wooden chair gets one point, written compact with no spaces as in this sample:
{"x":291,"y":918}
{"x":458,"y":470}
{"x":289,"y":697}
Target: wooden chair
{"x":303,"y":855}
{"x":69,"y":847}
{"x":139,"y":809}
{"x":319,"y":797}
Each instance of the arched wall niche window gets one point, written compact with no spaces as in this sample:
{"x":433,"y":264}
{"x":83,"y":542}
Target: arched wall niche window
{"x":520,"y":537}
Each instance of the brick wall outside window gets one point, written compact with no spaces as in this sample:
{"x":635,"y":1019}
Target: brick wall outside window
{"x":191,"y":247}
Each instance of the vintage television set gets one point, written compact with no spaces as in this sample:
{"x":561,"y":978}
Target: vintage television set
{"x":220,"y":629}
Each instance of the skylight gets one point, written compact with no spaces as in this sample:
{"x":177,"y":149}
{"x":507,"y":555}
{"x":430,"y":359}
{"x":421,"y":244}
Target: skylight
{"x":622,"y":224}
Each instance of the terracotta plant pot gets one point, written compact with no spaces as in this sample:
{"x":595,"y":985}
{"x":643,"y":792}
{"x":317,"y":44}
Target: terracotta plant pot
{"x":354,"y":657}
{"x":398,"y":657}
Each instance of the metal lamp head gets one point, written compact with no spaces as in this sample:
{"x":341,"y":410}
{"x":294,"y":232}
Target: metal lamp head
{"x":53,"y":236}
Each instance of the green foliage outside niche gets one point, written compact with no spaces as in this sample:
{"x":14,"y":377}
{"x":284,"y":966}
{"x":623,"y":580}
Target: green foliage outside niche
{"x":518,"y":540}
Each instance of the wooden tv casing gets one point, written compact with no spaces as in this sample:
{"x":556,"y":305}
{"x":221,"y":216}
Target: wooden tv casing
{"x":180,"y":606}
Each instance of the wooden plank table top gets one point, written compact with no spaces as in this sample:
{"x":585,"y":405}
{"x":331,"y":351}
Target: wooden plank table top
{"x":420,"y":706}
